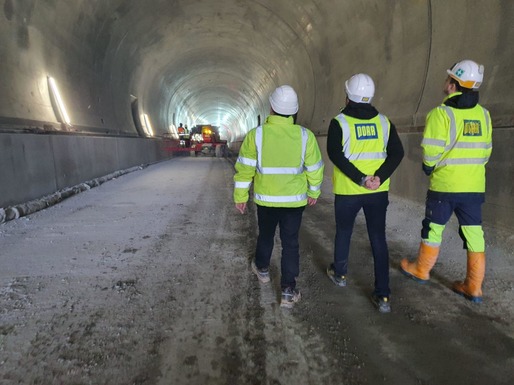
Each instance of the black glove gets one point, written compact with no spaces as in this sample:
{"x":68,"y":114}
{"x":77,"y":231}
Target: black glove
{"x":427,"y":169}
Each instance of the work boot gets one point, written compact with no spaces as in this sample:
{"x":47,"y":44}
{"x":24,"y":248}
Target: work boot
{"x":419,"y":270}
{"x":471,"y":288}
{"x":289,"y":297}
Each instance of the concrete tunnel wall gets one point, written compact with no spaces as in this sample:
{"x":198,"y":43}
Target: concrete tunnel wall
{"x":204,"y":61}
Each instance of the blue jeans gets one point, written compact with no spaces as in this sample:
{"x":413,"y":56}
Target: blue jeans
{"x":375,"y":208}
{"x":289,"y":221}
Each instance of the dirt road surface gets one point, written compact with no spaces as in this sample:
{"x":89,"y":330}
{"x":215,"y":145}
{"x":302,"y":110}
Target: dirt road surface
{"x":146,"y":280}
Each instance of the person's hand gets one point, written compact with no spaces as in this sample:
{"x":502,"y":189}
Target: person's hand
{"x":372,"y":183}
{"x":311,"y":201}
{"x":365,"y":181}
{"x":427,"y":169}
{"x":241,"y":207}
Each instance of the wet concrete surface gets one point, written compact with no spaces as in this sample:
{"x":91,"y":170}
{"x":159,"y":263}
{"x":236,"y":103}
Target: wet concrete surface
{"x":146,"y":280}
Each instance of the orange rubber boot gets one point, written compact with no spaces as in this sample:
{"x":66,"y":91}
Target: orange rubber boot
{"x":419,"y":270}
{"x":471,"y":288}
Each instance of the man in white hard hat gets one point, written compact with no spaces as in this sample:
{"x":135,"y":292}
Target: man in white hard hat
{"x":457,"y":144}
{"x":365,"y":149}
{"x":283,"y":160}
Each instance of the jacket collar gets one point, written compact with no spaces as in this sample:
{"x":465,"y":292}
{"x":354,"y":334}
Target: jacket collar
{"x":360,"y":110}
{"x":461,"y":100}
{"x":276,"y":119}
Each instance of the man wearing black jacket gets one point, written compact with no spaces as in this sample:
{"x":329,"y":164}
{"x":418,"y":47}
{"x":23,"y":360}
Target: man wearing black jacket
{"x":365,"y":149}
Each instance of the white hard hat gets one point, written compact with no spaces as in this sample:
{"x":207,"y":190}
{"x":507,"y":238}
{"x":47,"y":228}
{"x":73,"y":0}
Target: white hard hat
{"x":360,"y":88}
{"x":468,"y":73}
{"x":284,"y":100}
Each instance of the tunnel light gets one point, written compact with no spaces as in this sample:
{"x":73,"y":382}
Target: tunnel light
{"x":173,"y":131}
{"x":146,"y":124}
{"x":58,"y":100}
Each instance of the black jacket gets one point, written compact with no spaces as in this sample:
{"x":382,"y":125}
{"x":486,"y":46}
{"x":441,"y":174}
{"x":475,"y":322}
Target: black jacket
{"x":335,"y":152}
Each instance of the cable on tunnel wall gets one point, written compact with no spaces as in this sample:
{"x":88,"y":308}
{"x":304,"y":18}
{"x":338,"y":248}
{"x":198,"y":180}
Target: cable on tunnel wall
{"x":427,"y":64}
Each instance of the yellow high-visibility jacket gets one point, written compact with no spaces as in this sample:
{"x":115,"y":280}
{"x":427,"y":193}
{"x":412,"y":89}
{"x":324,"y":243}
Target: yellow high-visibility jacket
{"x":284,"y":162}
{"x":457,"y":143}
{"x":365,"y":145}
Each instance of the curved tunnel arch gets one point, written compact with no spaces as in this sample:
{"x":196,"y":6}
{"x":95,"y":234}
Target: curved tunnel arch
{"x":226,"y":51}
{"x":310,"y":45}
{"x":283,"y":67}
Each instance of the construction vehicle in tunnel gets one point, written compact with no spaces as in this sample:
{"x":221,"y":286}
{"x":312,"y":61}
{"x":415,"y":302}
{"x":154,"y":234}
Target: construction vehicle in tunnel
{"x":205,"y":139}
{"x":200,"y":140}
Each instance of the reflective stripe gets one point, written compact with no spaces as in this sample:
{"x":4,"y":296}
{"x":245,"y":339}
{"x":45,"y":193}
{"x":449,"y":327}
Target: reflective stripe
{"x":345,"y":128}
{"x":385,"y":129}
{"x":488,"y":125}
{"x":242,"y":184}
{"x":314,"y":167}
{"x":305,"y":136}
{"x":463,"y":161}
{"x":315,"y":188}
{"x":432,"y":158}
{"x":281,"y":199}
{"x":279,"y":170}
{"x":433,"y":142}
{"x":487,"y":122}
{"x":258,"y":146}
{"x":433,"y":244}
{"x":453,"y":127}
{"x":473,"y":145}
{"x":247,"y":161}
{"x":367,"y":155}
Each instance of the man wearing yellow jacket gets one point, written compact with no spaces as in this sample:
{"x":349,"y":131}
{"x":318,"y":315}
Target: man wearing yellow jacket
{"x":284,"y":162}
{"x":457,"y":144}
{"x":365,"y":149}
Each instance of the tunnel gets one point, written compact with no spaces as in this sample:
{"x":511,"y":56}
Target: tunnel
{"x":198,"y":62}
{"x":94,"y":89}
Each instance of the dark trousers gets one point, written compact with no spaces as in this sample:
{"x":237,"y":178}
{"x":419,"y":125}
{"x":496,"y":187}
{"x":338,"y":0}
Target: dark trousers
{"x":468,"y":211}
{"x":375,"y":207}
{"x":289,"y":221}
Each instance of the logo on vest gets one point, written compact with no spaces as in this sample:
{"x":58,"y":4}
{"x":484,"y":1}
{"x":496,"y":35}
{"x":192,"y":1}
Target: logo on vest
{"x":472,"y":128}
{"x":366,"y":131}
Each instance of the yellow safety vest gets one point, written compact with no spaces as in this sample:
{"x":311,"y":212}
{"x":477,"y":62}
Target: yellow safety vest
{"x":458,"y":143}
{"x":284,"y":162}
{"x":364,"y":145}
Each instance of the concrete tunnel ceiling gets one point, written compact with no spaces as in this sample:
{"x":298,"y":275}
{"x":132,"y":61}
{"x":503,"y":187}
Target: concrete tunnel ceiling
{"x":195,"y":61}
{"x":213,"y":62}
